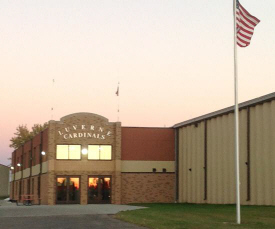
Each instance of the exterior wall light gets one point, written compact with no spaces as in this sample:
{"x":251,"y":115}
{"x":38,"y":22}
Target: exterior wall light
{"x":18,"y":164}
{"x":43,"y":153}
{"x":12,"y":168}
{"x":84,"y":151}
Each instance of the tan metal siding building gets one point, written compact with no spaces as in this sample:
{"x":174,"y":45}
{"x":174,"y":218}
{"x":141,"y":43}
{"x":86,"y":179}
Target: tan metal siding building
{"x":206,"y":158}
{"x":4,"y":180}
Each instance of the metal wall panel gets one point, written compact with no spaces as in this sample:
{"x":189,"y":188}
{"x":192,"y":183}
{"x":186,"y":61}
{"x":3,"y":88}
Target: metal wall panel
{"x":257,"y":158}
{"x":263,"y":154}
{"x":221,"y":151}
{"x":191,"y":164}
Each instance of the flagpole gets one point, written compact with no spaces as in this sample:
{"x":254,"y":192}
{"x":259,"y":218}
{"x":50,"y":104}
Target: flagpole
{"x":52,"y":111}
{"x":118,"y":101}
{"x":237,"y":163}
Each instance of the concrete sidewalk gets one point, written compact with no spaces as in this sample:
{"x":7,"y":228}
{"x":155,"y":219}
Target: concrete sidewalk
{"x":66,"y":222}
{"x":96,"y":216}
{"x":8,"y":209}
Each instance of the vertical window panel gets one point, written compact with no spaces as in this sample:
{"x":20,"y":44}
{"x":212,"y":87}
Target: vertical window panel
{"x":93,"y":152}
{"x":62,"y":152}
{"x":74,"y":152}
{"x":105,"y":152}
{"x":61,"y":189}
{"x":100,"y":152}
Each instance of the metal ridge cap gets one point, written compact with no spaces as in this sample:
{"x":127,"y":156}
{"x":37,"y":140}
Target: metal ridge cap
{"x":227,"y":109}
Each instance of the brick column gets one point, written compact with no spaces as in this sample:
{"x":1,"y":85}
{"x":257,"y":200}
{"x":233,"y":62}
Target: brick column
{"x":51,"y":164}
{"x":117,"y":174}
{"x":84,"y":189}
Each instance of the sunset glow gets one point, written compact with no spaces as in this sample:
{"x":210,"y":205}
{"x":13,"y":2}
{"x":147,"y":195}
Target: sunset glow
{"x":173,"y":60}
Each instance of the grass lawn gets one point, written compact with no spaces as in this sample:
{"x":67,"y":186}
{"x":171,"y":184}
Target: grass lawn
{"x":174,"y":216}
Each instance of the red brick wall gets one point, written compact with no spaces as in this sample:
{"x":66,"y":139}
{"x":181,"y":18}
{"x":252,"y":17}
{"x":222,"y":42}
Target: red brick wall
{"x":149,"y":144}
{"x":148,"y":187}
{"x":36,"y":147}
{"x":18,"y":154}
{"x":26,"y":150}
{"x":33,"y":188}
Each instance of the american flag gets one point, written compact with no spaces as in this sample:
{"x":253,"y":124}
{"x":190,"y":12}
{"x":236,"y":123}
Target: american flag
{"x":245,"y":25}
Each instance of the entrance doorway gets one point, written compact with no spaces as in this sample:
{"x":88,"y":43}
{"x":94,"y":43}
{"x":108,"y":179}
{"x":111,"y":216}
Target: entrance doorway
{"x":67,"y":190}
{"x":99,"y":190}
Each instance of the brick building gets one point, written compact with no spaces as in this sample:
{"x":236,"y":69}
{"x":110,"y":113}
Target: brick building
{"x":84,"y":158}
{"x":4,"y":180}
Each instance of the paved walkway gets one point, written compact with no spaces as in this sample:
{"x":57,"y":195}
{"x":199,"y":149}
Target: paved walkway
{"x":66,"y":222}
{"x":96,"y":216}
{"x":8,"y":209}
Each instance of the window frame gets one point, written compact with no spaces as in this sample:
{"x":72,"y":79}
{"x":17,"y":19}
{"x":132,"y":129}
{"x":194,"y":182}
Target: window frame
{"x":68,"y":152}
{"x":67,"y":177}
{"x":111,"y":190}
{"x":99,"y":152}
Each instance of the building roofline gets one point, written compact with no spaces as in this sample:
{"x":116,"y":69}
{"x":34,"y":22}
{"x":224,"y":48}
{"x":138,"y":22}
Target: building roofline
{"x":83,"y":113}
{"x":230,"y":109}
{"x":4,"y":165}
{"x":30,"y":140}
{"x":147,"y":127}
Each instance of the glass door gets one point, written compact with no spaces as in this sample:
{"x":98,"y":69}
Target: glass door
{"x":73,"y":186}
{"x":67,"y":190}
{"x":99,"y":190}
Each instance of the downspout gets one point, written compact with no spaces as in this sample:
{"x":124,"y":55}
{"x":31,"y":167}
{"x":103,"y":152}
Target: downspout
{"x":40,"y":162}
{"x":177,"y":165}
{"x":30,"y":163}
{"x":21,"y":180}
{"x":14,"y":168}
{"x":248,"y":156}
{"x":205,"y":159}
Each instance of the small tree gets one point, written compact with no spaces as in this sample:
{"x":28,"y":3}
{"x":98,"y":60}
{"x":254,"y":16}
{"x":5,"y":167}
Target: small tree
{"x":23,"y":134}
{"x":37,"y":128}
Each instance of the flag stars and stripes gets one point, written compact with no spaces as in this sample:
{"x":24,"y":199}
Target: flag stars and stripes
{"x":245,"y":25}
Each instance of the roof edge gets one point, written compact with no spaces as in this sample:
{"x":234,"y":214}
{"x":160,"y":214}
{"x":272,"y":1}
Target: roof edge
{"x":84,"y":113}
{"x":242,"y":105}
{"x":148,"y":127}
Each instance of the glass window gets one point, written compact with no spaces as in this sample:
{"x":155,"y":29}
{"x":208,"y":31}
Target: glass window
{"x":74,"y":152}
{"x":99,"y":190}
{"x":74,"y":189}
{"x":66,"y":152}
{"x":93,"y":152}
{"x":62,"y":152}
{"x":61,"y":189}
{"x":105,"y":152}
{"x":100,"y":152}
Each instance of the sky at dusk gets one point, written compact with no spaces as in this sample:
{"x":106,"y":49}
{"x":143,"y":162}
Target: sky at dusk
{"x":173,"y":59}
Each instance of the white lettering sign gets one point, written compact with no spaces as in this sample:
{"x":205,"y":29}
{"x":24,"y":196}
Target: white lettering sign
{"x":91,"y":131}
